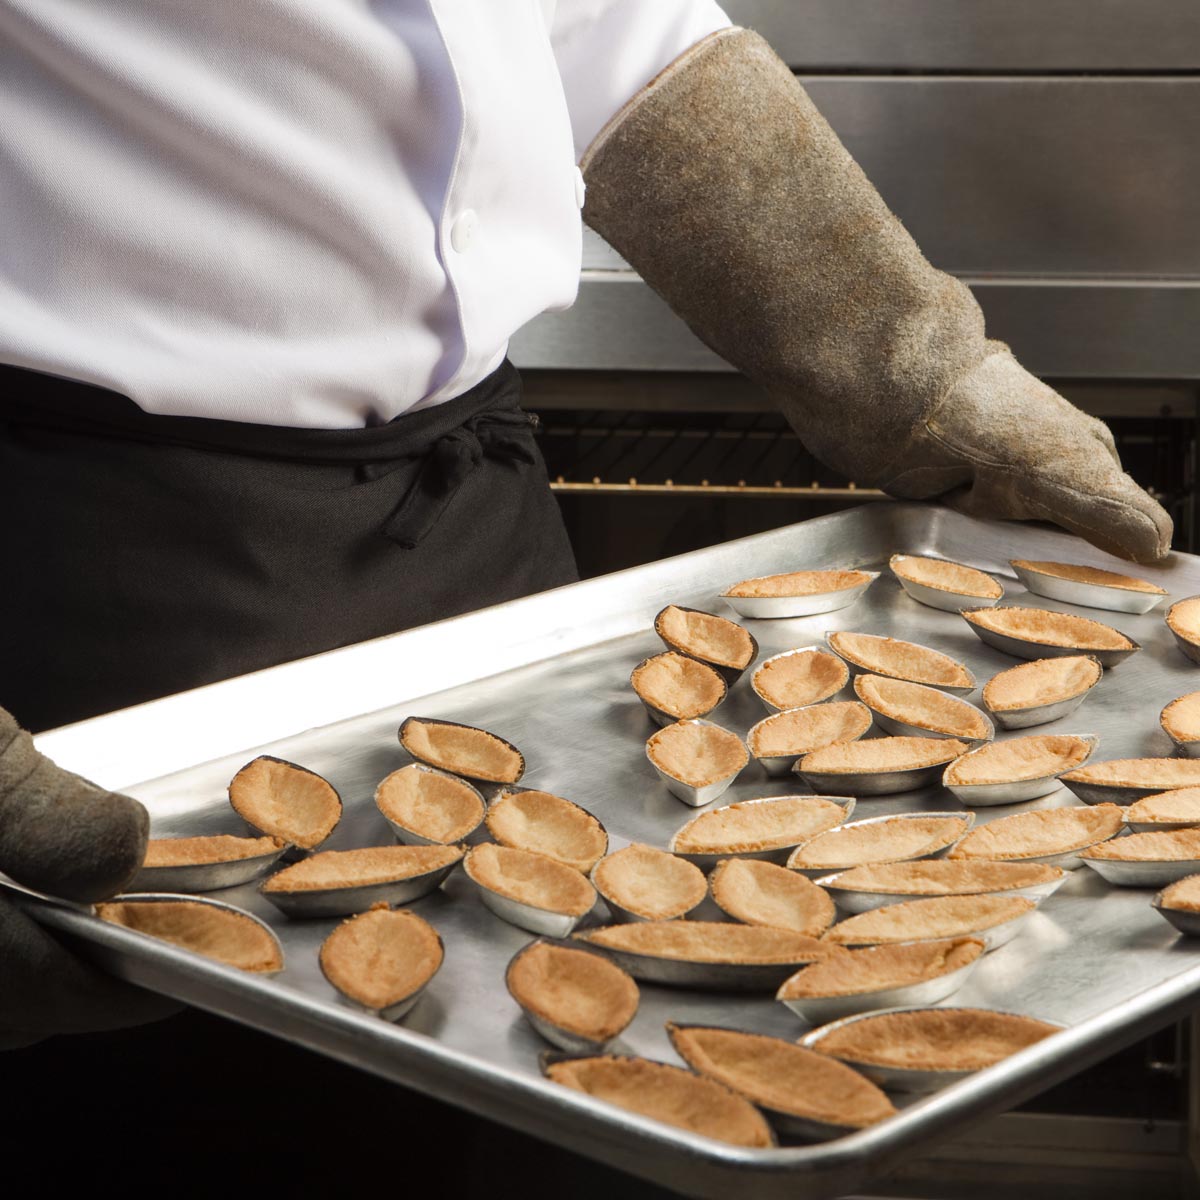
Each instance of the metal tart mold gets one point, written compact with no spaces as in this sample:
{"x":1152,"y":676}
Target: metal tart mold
{"x":1107,"y":589}
{"x":1011,"y":791}
{"x":839,"y":676}
{"x":731,"y":674}
{"x":858,"y":900}
{"x":836,"y":642}
{"x":983,"y":624}
{"x":942,"y":595}
{"x":885,"y":781}
{"x":1042,"y":712}
{"x":661,"y":716}
{"x":1183,"y":620}
{"x":962,"y":823}
{"x":404,"y":831}
{"x":696,"y":795}
{"x":854,"y":718}
{"x":897,"y":727}
{"x":407,"y":735}
{"x":209,"y":876}
{"x":803,"y":605}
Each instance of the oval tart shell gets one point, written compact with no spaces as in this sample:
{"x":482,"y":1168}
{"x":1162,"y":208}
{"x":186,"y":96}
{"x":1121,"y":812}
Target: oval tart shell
{"x":286,"y":801}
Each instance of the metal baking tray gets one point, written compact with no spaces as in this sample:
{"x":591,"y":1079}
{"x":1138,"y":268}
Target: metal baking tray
{"x":550,"y":673}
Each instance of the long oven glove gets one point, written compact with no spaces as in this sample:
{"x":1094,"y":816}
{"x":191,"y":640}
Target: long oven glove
{"x":730,"y":194}
{"x":65,"y":836}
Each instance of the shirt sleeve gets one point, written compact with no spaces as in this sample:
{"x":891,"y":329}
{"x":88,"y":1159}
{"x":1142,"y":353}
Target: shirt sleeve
{"x":608,"y":50}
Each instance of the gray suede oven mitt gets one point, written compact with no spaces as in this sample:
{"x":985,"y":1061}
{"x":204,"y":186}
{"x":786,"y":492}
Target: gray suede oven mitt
{"x":727,"y":190}
{"x":61,"y":835}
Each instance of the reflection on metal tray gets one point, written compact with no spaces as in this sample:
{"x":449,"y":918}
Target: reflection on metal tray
{"x":550,"y":673}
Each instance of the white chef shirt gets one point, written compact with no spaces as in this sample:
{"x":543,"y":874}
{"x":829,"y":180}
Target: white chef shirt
{"x":302,"y":212}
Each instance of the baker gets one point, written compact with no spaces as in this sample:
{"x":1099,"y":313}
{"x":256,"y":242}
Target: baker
{"x":259,"y":267}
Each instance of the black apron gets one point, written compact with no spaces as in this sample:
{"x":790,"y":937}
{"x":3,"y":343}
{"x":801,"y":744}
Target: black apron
{"x":150,"y":554}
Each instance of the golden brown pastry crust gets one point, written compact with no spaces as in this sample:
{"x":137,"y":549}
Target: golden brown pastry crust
{"x":549,"y":825}
{"x":944,"y":877}
{"x":934,"y":917}
{"x":1181,"y":718}
{"x":893,"y":840}
{"x":705,"y":636}
{"x":1035,"y":757}
{"x":575,"y":990}
{"x":530,"y":878}
{"x":1043,"y":681}
{"x":880,"y":967}
{"x":1179,"y":804}
{"x":708,"y":942}
{"x":1094,"y":575}
{"x":232,"y":938}
{"x":285,"y":801}
{"x":369,"y":865}
{"x":650,"y":882}
{"x":946,"y":576}
{"x":798,"y":583}
{"x":680,"y":686}
{"x":763,"y":825}
{"x":381,"y":957}
{"x":1042,"y":832}
{"x":197,"y":851}
{"x":935,"y":1039}
{"x":462,"y":750}
{"x":1163,"y":774}
{"x":923,"y":706}
{"x":1046,"y":628}
{"x":431,"y":805}
{"x":1183,"y":894}
{"x":900,"y":660}
{"x":798,"y":731}
{"x":1175,"y":845}
{"x":668,"y":1094}
{"x":882,"y":754}
{"x":1183,"y":618}
{"x":760,"y":893}
{"x":797,"y":680}
{"x":782,"y":1076}
{"x":697,"y":754}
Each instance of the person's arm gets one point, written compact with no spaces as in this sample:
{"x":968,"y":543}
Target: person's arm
{"x":726,"y":189}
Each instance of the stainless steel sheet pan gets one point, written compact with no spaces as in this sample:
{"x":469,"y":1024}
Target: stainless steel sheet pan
{"x":550,"y":674}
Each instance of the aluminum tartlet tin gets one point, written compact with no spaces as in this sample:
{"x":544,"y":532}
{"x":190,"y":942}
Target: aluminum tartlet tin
{"x":819,"y":1010}
{"x":1013,"y":791}
{"x":1144,"y":873}
{"x":1041,"y":714}
{"x":660,"y":716}
{"x":770,"y":607}
{"x":954,"y":689}
{"x":206,"y":877}
{"x":942,"y":598}
{"x":1090,"y":595}
{"x":730,"y":674}
{"x":706,"y":860}
{"x":690,"y":794}
{"x":992,"y":938}
{"x":476,"y":779}
{"x":1189,"y":646}
{"x":779,"y":765}
{"x":1187,"y":921}
{"x":543,"y":921}
{"x":1184,"y":747}
{"x":856,"y":900}
{"x":899,"y":1079}
{"x":940,"y":852}
{"x":624,"y":915}
{"x":899,"y":728}
{"x":1024,"y":648}
{"x":411,"y":838}
{"x":1114,"y":793}
{"x":873,"y":783}
{"x":401,"y":1008}
{"x":770,"y":706}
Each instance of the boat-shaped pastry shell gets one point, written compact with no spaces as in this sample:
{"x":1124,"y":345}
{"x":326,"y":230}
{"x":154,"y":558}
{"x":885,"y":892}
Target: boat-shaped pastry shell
{"x":338,"y":883}
{"x":798,"y":678}
{"x":942,"y":584}
{"x":1021,"y":768}
{"x":879,"y":766}
{"x":463,"y":750}
{"x":707,"y":954}
{"x":208,"y":927}
{"x":861,"y":889}
{"x":1090,"y":586}
{"x":577,"y":1000}
{"x":779,"y":740}
{"x":801,"y":1096}
{"x":724,"y":645}
{"x":549,"y":825}
{"x":1183,"y":620}
{"x":1041,"y":691}
{"x":665,"y":1093}
{"x":697,"y":760}
{"x":992,"y":919}
{"x":204,"y":864}
{"x":894,"y":838}
{"x":674,"y":687}
{"x":382,"y":960}
{"x":923,"y":1049}
{"x":285,"y":801}
{"x":1146,"y":859}
{"x":881,"y":976}
{"x":1180,"y":721}
{"x":1176,"y":809}
{"x":1179,"y":903}
{"x":1053,"y":836}
{"x":428,"y":807}
{"x":769,"y":828}
{"x":529,"y":890}
{"x":761,"y":893}
{"x":1042,"y":633}
{"x":642,"y":883}
{"x":1124,"y":780}
{"x":915,"y":710}
{"x":877,"y":655}
{"x":797,"y":593}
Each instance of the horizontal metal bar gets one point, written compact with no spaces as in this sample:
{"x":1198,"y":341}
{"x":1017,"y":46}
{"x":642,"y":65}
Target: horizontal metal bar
{"x":775,"y":491}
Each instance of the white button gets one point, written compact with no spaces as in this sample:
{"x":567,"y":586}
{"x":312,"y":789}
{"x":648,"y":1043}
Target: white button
{"x":464,"y":230}
{"x":580,"y":187}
